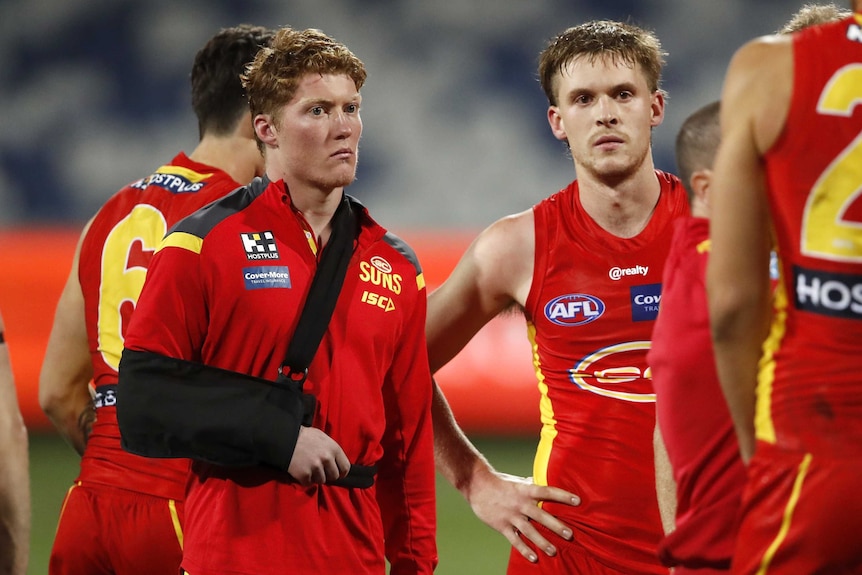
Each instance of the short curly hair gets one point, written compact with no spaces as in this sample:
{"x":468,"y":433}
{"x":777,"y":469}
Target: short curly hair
{"x":272,"y":79}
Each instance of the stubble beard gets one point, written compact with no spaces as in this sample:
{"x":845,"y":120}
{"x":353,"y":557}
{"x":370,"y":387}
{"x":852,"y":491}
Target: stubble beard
{"x":341,"y":177}
{"x":615,"y":168}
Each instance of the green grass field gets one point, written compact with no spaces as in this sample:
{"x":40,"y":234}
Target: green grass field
{"x":465,"y":544}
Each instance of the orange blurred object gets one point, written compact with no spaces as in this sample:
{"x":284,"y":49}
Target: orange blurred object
{"x":490,"y":385}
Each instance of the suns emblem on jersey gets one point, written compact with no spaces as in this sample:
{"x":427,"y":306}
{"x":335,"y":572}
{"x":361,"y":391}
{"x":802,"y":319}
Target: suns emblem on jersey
{"x":259,"y":246}
{"x":617,"y":371}
{"x":381,"y":264}
{"x":377,"y":272}
{"x":574,"y":309}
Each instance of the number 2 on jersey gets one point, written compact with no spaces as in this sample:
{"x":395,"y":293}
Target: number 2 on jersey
{"x":825,"y":232}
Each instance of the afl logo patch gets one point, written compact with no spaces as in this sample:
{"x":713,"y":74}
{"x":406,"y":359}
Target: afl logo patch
{"x":574,"y":309}
{"x":381,"y":264}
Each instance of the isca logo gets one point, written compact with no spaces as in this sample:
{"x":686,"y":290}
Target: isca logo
{"x":574,"y":309}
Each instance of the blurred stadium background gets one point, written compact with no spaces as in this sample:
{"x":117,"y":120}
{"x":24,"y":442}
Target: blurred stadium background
{"x":94,"y":94}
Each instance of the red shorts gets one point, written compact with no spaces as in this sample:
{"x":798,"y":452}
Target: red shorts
{"x":571,"y":559}
{"x":111,"y":531}
{"x":800,"y":514}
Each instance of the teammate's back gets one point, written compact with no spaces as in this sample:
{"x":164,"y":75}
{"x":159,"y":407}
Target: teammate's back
{"x":124,"y":513}
{"x":114,"y":257}
{"x":789,"y":170}
{"x":814,"y":173}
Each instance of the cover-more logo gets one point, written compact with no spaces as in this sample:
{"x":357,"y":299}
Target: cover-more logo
{"x":259,"y":277}
{"x":645,"y":301}
{"x":259,"y":246}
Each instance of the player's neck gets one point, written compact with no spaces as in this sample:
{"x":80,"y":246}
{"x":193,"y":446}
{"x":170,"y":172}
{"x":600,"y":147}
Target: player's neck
{"x":237,"y":156}
{"x":316,"y":205}
{"x":621,"y":207}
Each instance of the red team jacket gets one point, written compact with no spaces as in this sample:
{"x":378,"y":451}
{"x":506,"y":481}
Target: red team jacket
{"x":590,"y":311}
{"x":226,"y":289}
{"x":813,"y":182}
{"x":115,"y":253}
{"x":692,"y":413}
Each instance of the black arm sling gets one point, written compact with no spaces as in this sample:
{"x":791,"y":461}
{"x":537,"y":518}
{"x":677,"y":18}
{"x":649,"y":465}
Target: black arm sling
{"x":169,"y":407}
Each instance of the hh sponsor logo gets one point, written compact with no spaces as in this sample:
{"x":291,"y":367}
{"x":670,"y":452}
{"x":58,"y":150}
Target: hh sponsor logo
{"x":260,"y":277}
{"x":574,"y":309}
{"x":825,"y":293}
{"x":618,"y":371}
{"x":616,"y":273}
{"x":259,"y":246}
{"x":645,"y":300}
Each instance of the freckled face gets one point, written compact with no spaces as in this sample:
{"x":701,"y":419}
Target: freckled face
{"x":606,"y":113}
{"x":316,"y":135}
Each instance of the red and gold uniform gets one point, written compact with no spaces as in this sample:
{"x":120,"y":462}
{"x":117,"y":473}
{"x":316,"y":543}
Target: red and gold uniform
{"x":124,"y":513}
{"x":226,"y":290}
{"x":590,"y":312}
{"x":801,"y":509}
{"x":692,"y":414}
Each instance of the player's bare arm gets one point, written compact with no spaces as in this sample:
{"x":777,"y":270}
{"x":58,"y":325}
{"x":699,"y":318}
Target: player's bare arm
{"x":64,"y":390}
{"x":665,"y":485}
{"x":14,"y":475}
{"x":493,"y":275}
{"x":755,"y":101}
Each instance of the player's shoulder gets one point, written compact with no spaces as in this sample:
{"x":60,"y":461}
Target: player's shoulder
{"x":505,"y":242}
{"x":201,"y":222}
{"x":387,"y":243}
{"x":404,"y":251}
{"x":760,"y":55}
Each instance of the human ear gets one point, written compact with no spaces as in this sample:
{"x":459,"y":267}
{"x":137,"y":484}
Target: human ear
{"x":556,"y":122}
{"x":700,"y":182}
{"x":265,"y":129}
{"x":657,"y":108}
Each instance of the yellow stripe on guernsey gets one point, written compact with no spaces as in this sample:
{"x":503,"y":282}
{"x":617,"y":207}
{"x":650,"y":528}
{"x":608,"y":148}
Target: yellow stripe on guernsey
{"x":309,"y":237}
{"x":546,"y":409}
{"x":175,"y":519}
{"x":182,"y":240}
{"x":764,"y":427}
{"x":420,"y":281}
{"x":787,"y":519}
{"x":186,"y":173}
{"x":65,"y":501}
{"x":704,"y":246}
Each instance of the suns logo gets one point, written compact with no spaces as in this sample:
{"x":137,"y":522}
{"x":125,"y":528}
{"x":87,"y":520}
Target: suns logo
{"x":574,"y":309}
{"x":618,"y":371}
{"x":381,"y":264}
{"x":378,"y":272}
